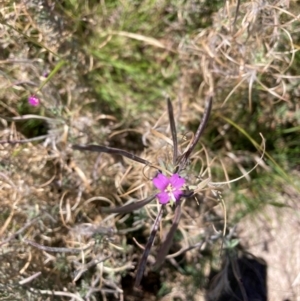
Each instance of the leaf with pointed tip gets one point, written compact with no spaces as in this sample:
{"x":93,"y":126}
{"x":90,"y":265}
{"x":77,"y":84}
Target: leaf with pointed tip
{"x":110,"y":150}
{"x":143,"y":261}
{"x":130,"y":207}
{"x":183,"y":159}
{"x":165,"y":247}
{"x":173,"y":130}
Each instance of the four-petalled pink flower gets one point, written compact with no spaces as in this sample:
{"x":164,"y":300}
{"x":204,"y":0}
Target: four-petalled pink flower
{"x":171,"y":188}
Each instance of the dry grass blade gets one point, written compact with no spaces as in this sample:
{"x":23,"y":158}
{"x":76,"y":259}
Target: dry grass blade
{"x":148,"y":40}
{"x":24,"y":140}
{"x":29,"y":117}
{"x":143,"y":261}
{"x":86,"y":267}
{"x":173,"y":130}
{"x":30,"y":278}
{"x":55,"y":250}
{"x":110,"y":150}
{"x":165,"y":247}
{"x":130,"y":207}
{"x":199,"y":132}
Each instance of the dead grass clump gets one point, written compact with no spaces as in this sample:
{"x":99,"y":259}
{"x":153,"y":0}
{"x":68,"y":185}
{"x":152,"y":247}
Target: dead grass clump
{"x":247,"y":57}
{"x":253,"y":49}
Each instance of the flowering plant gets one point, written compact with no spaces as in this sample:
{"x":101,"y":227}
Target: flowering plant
{"x":33,"y":101}
{"x":171,"y":189}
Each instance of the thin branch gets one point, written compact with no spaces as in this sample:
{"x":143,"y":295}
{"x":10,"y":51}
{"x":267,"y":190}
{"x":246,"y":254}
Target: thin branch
{"x":173,"y":130}
{"x":183,"y":159}
{"x":110,"y":150}
{"x":143,"y":261}
{"x":165,"y":247}
{"x":236,"y":12}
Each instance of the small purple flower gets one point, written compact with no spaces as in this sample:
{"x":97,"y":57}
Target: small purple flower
{"x":33,"y":101}
{"x":171,"y":188}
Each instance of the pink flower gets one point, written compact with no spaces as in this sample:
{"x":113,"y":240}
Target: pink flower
{"x":33,"y":101}
{"x":171,"y":188}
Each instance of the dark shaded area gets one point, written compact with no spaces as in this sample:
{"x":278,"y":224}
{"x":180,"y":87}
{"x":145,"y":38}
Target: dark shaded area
{"x":253,"y":273}
{"x":150,"y":285}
